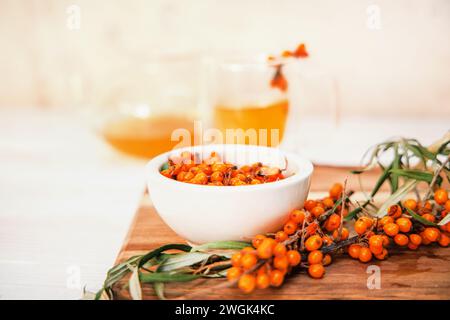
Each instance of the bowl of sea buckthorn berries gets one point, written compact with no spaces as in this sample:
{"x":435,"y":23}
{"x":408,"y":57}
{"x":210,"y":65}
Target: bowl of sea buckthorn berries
{"x":228,"y":191}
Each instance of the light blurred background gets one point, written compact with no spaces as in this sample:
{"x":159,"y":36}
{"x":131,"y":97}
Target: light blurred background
{"x":376,"y":69}
{"x":397,"y":65}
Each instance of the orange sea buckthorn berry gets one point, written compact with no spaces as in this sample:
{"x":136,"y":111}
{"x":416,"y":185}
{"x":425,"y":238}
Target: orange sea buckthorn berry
{"x":181,"y":175}
{"x":314,"y":242}
{"x":257,"y":240}
{"x":297,"y":216}
{"x":262,"y":281}
{"x":440,"y":196}
{"x":200,"y":178}
{"x":279,"y":249}
{"x":365,"y":255}
{"x":447,"y":205}
{"x":391,"y":229}
{"x":167,"y":173}
{"x":276,"y":278}
{"x":236,"y":259}
{"x":265,"y":249}
{"x":370,"y":233}
{"x":354,"y":250}
{"x":382,"y":255}
{"x":446,"y":227}
{"x":206,"y":169}
{"x":317,"y":211}
{"x":386,"y":240}
{"x":423,"y":208}
{"x":360,"y":226}
{"x":411,"y":204}
{"x":327,"y":260}
{"x":294,"y":257}
{"x":395,"y":211}
{"x":248,"y":250}
{"x":263,"y":269}
{"x":320,"y":204}
{"x":344,"y":234}
{"x":415,"y":239}
{"x":412,"y":246}
{"x":237,"y":182}
{"x":281,"y":262}
{"x":281,"y":236}
{"x":444,"y":240}
{"x":316,"y":271}
{"x":315,"y":257}
{"x":431,"y":234}
{"x":312,"y":228}
{"x":290,"y":227}
{"x":233,"y":273}
{"x":376,"y":244}
{"x":333,"y":222}
{"x":401,"y":239}
{"x":248,"y":261}
{"x":404,"y":224}
{"x":188,"y":176}
{"x":385,"y":220}
{"x":309,"y":205}
{"x":247,"y":283}
{"x":328,"y":202}
{"x":216,"y":176}
{"x":368,"y":221}
{"x":429,"y":217}
{"x":336,"y":191}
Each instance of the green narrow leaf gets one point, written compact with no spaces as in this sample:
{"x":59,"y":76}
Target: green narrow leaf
{"x":418,"y":175}
{"x":416,"y":151}
{"x":352,"y":214}
{"x":442,"y":147}
{"x":134,"y":285}
{"x":161,"y":249}
{"x":182,"y":260}
{"x":396,"y":197}
{"x":395,"y":165}
{"x":381,"y":180}
{"x":235,"y":245}
{"x":445,"y":220}
{"x":159,"y":290}
{"x":426,"y":153}
{"x":370,"y":166}
{"x":167,"y":277}
{"x":420,"y":218}
{"x":165,"y":166}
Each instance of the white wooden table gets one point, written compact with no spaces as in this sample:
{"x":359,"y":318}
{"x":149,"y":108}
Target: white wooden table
{"x":66,"y":201}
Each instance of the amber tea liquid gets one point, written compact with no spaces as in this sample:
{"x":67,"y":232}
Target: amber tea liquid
{"x":145,"y":137}
{"x":272,"y":116}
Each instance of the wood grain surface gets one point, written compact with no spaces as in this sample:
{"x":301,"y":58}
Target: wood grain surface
{"x":421,"y":274}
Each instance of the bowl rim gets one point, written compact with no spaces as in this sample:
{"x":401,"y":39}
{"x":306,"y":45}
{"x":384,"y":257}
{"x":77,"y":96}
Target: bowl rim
{"x":153,"y":173}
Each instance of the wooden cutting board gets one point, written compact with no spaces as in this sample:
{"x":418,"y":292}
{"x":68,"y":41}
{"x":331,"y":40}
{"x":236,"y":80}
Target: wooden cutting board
{"x":421,"y":274}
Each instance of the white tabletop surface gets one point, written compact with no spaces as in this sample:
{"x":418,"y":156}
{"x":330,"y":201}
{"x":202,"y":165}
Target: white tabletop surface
{"x":66,"y":201}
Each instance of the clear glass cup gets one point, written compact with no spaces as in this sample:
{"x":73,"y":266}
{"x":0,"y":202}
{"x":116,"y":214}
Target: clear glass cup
{"x":142,"y":102}
{"x":246,"y":108}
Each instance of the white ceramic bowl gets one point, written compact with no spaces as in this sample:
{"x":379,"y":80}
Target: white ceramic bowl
{"x":202,"y":213}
